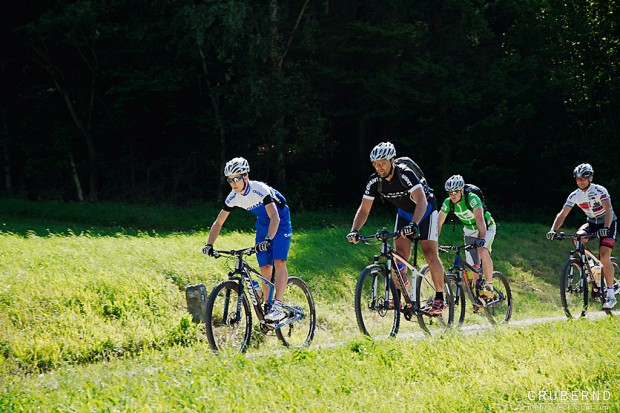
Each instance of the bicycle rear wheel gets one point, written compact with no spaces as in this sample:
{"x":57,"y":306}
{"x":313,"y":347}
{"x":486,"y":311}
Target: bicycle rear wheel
{"x":573,"y":290}
{"x":229,"y":320}
{"x":425,"y":295}
{"x":500,"y":309}
{"x":298,"y":302}
{"x":377,"y":303}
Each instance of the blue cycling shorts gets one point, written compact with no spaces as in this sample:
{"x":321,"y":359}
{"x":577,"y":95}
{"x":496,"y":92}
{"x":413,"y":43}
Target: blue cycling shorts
{"x":281,"y":243}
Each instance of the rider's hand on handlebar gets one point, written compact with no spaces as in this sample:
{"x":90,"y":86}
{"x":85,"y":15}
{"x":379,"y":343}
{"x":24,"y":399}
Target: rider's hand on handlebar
{"x":208,"y":250}
{"x":353,"y":236}
{"x":551,"y":234}
{"x":409,"y":229}
{"x":603,"y":232}
{"x":479,"y":243}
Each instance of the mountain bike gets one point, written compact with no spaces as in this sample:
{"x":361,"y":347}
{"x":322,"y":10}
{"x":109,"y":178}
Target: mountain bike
{"x":381,"y":295}
{"x":229,"y":319}
{"x":497,"y":310}
{"x":582,"y":277}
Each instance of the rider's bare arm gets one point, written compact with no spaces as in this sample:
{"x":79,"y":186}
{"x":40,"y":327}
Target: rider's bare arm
{"x":362,"y":214}
{"x":419,"y":197}
{"x":217,"y":226}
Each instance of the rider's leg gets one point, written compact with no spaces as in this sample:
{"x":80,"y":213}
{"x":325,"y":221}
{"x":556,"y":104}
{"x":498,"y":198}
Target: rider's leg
{"x":608,"y":268}
{"x":487,"y":264}
{"x":431,"y":255}
{"x":402,"y":245}
{"x":281,"y":278}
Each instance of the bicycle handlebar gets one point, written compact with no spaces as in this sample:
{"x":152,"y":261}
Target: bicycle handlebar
{"x":560,"y":236}
{"x":234,"y":253}
{"x":448,"y":248}
{"x":382,"y":234}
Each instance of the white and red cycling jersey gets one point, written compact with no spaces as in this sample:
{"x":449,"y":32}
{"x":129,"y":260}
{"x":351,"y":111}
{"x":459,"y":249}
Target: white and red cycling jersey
{"x":590,"y":201}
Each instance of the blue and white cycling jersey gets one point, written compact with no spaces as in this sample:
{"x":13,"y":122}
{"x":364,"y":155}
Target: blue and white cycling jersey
{"x":256,"y":195}
{"x":590,"y":202}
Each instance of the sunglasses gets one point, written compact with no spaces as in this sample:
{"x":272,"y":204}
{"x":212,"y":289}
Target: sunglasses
{"x":454,"y":192}
{"x":235,"y":179}
{"x":581,"y":178}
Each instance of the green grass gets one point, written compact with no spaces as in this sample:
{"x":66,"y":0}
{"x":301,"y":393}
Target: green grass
{"x":494,"y":371}
{"x":93,"y":318}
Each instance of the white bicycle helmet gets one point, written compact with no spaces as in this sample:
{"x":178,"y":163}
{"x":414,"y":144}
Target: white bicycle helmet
{"x":584,"y":169}
{"x":384,"y":150}
{"x":455,"y":183}
{"x":236,"y":166}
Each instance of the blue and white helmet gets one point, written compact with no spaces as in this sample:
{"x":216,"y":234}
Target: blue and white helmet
{"x":455,"y":183}
{"x":584,"y":169}
{"x":236,"y":166}
{"x":384,"y":150}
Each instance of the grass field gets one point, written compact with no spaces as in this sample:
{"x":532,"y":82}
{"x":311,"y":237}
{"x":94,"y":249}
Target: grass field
{"x":93,"y":318}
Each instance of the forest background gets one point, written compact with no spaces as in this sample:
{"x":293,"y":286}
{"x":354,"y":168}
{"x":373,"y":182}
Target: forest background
{"x":144,"y":101}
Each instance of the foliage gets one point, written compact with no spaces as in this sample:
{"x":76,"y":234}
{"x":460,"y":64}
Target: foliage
{"x":151,"y":98}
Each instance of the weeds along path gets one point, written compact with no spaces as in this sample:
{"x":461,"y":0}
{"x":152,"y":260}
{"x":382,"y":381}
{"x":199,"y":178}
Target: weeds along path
{"x":469,"y":329}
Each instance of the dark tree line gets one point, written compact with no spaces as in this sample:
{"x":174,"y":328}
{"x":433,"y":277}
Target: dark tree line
{"x":145,"y":100}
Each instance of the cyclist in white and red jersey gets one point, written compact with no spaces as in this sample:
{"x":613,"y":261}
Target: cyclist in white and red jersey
{"x":417,"y":211}
{"x":595,"y":202}
{"x":273,"y":227}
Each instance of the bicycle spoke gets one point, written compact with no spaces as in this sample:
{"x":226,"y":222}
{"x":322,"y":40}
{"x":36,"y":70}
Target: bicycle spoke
{"x":377,"y":315}
{"x":298,"y":328}
{"x":499,"y":309}
{"x":573,"y":293}
{"x":228,"y":321}
{"x":425,"y":295}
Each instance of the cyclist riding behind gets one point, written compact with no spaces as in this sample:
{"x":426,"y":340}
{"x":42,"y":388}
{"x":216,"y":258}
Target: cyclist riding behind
{"x":273,"y":227}
{"x":595,"y":202}
{"x":417,"y":212}
{"x":478,"y":227}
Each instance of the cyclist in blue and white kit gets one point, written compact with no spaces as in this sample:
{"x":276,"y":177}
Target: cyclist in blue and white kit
{"x":595,"y":202}
{"x":417,"y":212}
{"x":273,"y":227}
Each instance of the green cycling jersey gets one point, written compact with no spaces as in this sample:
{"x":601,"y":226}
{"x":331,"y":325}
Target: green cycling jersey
{"x":465,"y":214}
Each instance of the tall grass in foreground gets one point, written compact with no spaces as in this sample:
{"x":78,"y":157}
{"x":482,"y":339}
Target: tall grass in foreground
{"x":74,"y":298}
{"x":561,"y":366}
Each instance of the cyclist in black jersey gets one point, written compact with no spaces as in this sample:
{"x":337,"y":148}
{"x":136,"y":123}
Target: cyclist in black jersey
{"x":417,"y":211}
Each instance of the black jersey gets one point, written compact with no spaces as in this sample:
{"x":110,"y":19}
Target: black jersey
{"x":398,"y":191}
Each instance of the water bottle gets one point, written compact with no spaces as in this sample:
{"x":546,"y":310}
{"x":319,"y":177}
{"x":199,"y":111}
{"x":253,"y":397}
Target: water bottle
{"x":403,"y":272}
{"x":258,"y":290}
{"x":596,"y":273}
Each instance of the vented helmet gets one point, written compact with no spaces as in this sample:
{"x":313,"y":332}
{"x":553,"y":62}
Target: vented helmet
{"x":236,"y":166}
{"x":585,"y":170}
{"x":455,"y":183}
{"x":384,"y":150}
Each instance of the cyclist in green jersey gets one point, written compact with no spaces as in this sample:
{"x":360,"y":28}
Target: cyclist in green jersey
{"x":478,"y":227}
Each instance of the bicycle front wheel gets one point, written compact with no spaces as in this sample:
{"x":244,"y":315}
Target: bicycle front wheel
{"x":229,"y":320}
{"x":499,"y":310}
{"x":458,"y":297}
{"x":377,"y":303}
{"x":573,"y":290}
{"x":300,"y":315}
{"x":425,"y":295}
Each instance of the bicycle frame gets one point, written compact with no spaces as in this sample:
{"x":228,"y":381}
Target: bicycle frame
{"x":460,"y":268}
{"x":392,"y":258}
{"x":245,"y":280}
